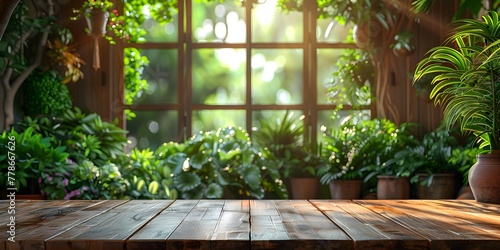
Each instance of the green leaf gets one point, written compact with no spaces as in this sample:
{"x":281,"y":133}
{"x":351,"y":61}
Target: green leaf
{"x":214,"y":191}
{"x":153,"y":187}
{"x":186,"y":181}
{"x":251,"y":175}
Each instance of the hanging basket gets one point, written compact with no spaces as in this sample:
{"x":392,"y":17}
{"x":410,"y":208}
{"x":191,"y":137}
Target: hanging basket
{"x":97,"y":21}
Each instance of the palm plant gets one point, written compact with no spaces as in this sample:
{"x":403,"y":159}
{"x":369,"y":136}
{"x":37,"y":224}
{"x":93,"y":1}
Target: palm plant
{"x":468,"y":78}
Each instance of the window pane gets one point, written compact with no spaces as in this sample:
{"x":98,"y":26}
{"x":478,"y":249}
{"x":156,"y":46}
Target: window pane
{"x":325,"y":119}
{"x":277,"y":76}
{"x":346,"y":79}
{"x":219,"y":76}
{"x":269,"y":24}
{"x":274,"y":116}
{"x":161,"y":75}
{"x":329,"y":31}
{"x":152,"y":128}
{"x":325,"y":67}
{"x":205,"y":120}
{"x":219,"y":22}
{"x":156,"y":32}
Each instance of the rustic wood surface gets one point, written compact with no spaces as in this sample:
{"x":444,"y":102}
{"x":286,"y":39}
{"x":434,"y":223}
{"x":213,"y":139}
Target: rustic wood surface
{"x":252,"y":224}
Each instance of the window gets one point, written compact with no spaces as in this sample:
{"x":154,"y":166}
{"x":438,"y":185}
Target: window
{"x":231,"y":64}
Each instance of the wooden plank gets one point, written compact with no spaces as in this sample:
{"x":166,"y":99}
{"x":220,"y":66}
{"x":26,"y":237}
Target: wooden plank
{"x":51,"y":222}
{"x":297,"y":224}
{"x":198,"y":227}
{"x":25,"y":215}
{"x":28,"y":208}
{"x":49,"y":211}
{"x":18,"y":205}
{"x":110,"y":229}
{"x":488,"y":221}
{"x":442,"y":230}
{"x":484,"y":207}
{"x":154,"y":234}
{"x":233,"y":228}
{"x":368,"y":229}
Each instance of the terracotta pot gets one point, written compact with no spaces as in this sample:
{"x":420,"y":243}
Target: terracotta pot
{"x":403,"y":52}
{"x":390,"y":187}
{"x":484,"y":178}
{"x":304,"y":188}
{"x":441,"y":187}
{"x":345,"y":189}
{"x":465,"y":193}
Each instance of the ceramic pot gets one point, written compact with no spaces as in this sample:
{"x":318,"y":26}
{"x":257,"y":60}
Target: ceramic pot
{"x":96,"y":21}
{"x":484,"y":178}
{"x":304,"y":188}
{"x":390,"y":187}
{"x":345,"y":189}
{"x":442,"y":186}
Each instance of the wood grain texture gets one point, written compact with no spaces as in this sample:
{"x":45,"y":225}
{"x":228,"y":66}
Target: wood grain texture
{"x":369,"y":230}
{"x":110,"y":229}
{"x":45,"y":223}
{"x":442,"y":229}
{"x":297,"y":224}
{"x":255,"y":224}
{"x":154,"y":234}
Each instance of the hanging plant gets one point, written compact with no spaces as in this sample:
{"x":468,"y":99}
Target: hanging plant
{"x":403,"y":45}
{"x":96,"y":14}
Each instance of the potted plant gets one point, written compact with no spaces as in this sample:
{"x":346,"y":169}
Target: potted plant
{"x":351,"y":84}
{"x":284,"y":139}
{"x":465,"y":158}
{"x":391,"y":177}
{"x":403,"y":45}
{"x":369,"y":17}
{"x":468,"y":86}
{"x":429,"y":165}
{"x":96,"y":13}
{"x":436,"y":174}
{"x":351,"y":148}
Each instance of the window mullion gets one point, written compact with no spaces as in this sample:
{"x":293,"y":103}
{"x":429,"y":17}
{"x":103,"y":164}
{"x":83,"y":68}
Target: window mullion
{"x":186,"y":46}
{"x":248,"y":69}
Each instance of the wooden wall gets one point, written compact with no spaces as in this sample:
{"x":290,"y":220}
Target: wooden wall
{"x":430,"y":30}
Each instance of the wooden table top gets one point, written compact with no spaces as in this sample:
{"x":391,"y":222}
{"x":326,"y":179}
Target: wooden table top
{"x":251,"y":224}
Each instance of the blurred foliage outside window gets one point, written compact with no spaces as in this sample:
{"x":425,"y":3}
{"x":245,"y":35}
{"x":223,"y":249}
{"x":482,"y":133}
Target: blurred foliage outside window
{"x":229,"y":79}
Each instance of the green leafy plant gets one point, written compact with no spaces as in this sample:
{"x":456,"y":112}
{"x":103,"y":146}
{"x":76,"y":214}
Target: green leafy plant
{"x":355,"y":148}
{"x":284,"y":139}
{"x":147,"y":177}
{"x":429,"y":156}
{"x":40,"y":166}
{"x":403,"y":42}
{"x":351,"y":82}
{"x":93,"y":148}
{"x":89,"y":181}
{"x":468,"y":80}
{"x":222,"y":163}
{"x":135,"y":85}
{"x":45,"y":94}
{"x":358,"y":12}
{"x":85,"y":136}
